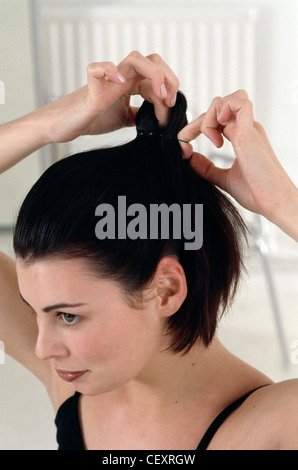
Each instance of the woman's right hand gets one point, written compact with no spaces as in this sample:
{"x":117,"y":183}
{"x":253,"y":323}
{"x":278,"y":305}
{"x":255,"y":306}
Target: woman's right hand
{"x":103,"y":105}
{"x":256,"y":179}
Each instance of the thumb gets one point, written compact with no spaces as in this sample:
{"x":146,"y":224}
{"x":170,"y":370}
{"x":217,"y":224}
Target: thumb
{"x":207,"y":170}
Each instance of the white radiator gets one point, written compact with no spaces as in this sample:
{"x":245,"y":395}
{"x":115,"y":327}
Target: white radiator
{"x":210,"y":46}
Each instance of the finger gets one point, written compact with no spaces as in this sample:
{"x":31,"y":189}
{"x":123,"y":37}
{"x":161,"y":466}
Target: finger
{"x":189,"y":133}
{"x":186,"y":148}
{"x":155,"y":80}
{"x":136,"y":66}
{"x":210,"y":125}
{"x":192,"y":130}
{"x":162,"y":111}
{"x":239,"y":109}
{"x":100,"y":75}
{"x":220,"y":113}
{"x":172,"y":82}
{"x":105,"y":70}
{"x":239,"y":94}
{"x":185,"y":145}
{"x":207,"y":170}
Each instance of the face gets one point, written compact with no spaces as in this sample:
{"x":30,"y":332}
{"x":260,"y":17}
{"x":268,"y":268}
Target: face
{"x":87,"y":329}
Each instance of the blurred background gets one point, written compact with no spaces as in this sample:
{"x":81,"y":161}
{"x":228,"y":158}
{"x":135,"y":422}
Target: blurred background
{"x":215,"y":48}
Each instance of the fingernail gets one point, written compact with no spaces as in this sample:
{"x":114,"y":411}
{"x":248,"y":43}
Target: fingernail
{"x":173,"y":102}
{"x":121,"y":78}
{"x":163,"y":90}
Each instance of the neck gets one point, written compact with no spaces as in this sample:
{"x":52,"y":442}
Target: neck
{"x":170,"y":379}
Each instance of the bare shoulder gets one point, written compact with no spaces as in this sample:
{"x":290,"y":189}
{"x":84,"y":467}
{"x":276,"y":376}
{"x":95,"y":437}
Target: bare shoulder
{"x":285,"y":396}
{"x":277,"y":406}
{"x":285,"y":388}
{"x":266,"y":420}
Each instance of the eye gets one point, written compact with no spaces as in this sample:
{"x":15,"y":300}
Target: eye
{"x":69,"y":319}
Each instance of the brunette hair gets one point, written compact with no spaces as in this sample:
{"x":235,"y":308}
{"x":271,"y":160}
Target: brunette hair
{"x":57,"y":218}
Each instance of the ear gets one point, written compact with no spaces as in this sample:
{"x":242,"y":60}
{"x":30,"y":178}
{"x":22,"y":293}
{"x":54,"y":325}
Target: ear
{"x":171,"y":286}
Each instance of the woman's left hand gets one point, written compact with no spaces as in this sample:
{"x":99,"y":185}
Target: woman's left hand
{"x":256,"y":179}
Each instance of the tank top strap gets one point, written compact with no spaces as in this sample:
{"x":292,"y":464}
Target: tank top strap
{"x":215,"y":425}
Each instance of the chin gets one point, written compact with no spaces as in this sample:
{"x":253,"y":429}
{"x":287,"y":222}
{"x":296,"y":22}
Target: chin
{"x":96,"y":388}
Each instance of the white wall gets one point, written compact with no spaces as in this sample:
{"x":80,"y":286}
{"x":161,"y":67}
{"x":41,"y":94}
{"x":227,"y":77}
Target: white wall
{"x":277,"y":100}
{"x":276,"y":103}
{"x":279,"y":81}
{"x":16,"y":72}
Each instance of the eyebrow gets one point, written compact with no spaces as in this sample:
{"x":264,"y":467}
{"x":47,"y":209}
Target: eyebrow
{"x":55,"y":306}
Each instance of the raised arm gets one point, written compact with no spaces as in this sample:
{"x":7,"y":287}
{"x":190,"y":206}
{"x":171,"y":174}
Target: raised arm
{"x":256,"y":179}
{"x":103,"y":105}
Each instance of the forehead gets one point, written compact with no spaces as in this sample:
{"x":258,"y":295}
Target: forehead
{"x":59,"y":277}
{"x":53,"y":267}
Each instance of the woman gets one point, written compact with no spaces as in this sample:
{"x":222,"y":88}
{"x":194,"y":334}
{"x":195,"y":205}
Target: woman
{"x":141,"y":372}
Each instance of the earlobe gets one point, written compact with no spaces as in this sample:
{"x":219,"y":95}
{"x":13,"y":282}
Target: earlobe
{"x":171,"y":286}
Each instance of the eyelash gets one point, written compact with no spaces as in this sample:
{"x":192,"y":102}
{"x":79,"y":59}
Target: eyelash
{"x":65,"y":323}
{"x":60,"y":316}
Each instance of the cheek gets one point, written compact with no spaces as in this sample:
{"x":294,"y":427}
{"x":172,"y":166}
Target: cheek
{"x":126,"y":336}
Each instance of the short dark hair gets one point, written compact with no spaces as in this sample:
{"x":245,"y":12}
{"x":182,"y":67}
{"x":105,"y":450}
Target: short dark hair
{"x":57,"y":218}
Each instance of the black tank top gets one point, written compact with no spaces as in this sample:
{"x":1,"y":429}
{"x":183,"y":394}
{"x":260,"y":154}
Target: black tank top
{"x":69,"y":436}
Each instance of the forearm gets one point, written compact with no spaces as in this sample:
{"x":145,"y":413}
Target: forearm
{"x":287,"y":217}
{"x":20,"y":138}
{"x":18,"y":327}
{"x":101,"y":106}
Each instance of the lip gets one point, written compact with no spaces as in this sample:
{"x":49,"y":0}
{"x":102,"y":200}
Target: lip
{"x":69,"y":376}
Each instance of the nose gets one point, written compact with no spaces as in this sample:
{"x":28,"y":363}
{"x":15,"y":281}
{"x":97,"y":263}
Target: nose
{"x":49,"y":344}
